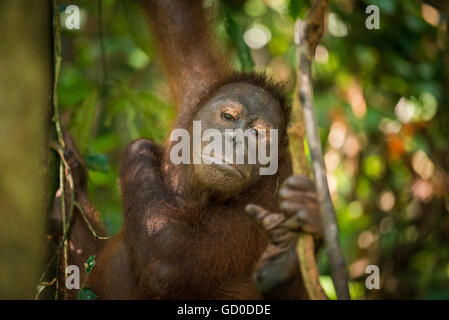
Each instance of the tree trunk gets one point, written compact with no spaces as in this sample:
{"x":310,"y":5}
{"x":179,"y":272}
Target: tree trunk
{"x":25,"y":105}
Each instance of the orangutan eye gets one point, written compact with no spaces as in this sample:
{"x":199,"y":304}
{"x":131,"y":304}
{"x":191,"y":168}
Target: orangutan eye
{"x":227,"y":116}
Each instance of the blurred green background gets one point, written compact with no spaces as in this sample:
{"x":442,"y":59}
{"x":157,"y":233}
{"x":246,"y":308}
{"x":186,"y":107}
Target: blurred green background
{"x":382,"y":106}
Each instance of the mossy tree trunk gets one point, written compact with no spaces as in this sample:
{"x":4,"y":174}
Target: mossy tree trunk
{"x":25,"y":108}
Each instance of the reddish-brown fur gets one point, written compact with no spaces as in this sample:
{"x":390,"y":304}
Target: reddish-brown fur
{"x":174,"y":247}
{"x":176,"y":241}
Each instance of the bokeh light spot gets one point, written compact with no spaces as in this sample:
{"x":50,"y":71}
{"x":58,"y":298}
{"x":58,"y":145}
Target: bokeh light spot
{"x":257,"y":36}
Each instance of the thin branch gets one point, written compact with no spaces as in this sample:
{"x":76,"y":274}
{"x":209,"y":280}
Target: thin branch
{"x":307,"y":35}
{"x":55,"y":255}
{"x":57,"y":57}
{"x":305,"y":247}
{"x":66,"y":227}
{"x":65,"y":171}
{"x":66,"y":174}
{"x":305,"y":250}
{"x":89,"y":225}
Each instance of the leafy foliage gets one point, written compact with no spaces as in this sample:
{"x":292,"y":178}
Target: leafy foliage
{"x":86,"y":294}
{"x":90,"y":264}
{"x":81,"y":125}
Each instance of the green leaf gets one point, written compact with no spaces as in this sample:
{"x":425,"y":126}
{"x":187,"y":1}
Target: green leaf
{"x":145,"y":113}
{"x":328,"y":287}
{"x":294,"y":8}
{"x":235,"y":32}
{"x":82,"y":122}
{"x":86,"y":294}
{"x":297,"y":8}
{"x":137,"y":25}
{"x":97,"y":162}
{"x":90,"y":264}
